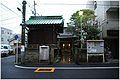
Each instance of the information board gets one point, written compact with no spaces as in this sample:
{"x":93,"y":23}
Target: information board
{"x":95,"y":46}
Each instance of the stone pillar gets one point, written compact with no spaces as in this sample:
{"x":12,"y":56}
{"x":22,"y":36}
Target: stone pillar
{"x":52,"y":56}
{"x":52,"y":47}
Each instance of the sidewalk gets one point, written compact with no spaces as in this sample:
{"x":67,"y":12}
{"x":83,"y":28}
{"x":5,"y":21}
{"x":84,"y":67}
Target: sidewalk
{"x":109,"y":63}
{"x":71,"y":65}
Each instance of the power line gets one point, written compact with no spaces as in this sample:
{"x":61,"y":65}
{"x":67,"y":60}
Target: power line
{"x":33,"y":9}
{"x":12,"y":11}
{"x":8,"y":18}
{"x":10,"y":24}
{"x":19,"y":3}
{"x":4,"y":14}
{"x":9,"y":9}
{"x":73,"y":4}
{"x":29,"y":6}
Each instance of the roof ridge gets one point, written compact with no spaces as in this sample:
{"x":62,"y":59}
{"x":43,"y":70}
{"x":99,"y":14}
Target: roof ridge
{"x":46,"y":17}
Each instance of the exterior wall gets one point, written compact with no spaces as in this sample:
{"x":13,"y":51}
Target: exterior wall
{"x":107,"y":15}
{"x":42,"y":36}
{"x":37,"y":36}
{"x":110,"y":4}
{"x":6,"y":34}
{"x":101,"y":17}
{"x":113,"y":20}
{"x":111,"y":15}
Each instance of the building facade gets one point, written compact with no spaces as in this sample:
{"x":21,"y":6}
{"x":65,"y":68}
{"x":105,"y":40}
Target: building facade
{"x":42,"y":38}
{"x":107,"y":17}
{"x":6,"y":35}
{"x":107,"y":14}
{"x":66,"y":41}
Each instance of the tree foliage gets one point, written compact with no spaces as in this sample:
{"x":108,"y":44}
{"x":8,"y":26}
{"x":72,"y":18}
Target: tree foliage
{"x":86,"y":20}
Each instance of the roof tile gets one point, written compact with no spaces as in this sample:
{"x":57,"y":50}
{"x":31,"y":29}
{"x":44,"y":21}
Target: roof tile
{"x":45,"y":20}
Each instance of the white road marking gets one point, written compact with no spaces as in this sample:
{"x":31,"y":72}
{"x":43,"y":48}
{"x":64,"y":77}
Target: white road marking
{"x":67,"y":67}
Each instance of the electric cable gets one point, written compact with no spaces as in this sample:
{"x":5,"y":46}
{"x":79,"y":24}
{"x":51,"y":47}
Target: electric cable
{"x":9,"y":9}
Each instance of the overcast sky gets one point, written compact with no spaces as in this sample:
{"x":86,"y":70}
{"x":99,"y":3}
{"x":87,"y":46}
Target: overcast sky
{"x":10,"y":17}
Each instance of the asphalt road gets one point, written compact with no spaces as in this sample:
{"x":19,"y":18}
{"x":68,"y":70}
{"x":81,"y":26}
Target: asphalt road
{"x":9,"y":71}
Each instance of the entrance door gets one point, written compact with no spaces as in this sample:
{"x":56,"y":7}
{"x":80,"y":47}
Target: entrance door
{"x":66,"y":52}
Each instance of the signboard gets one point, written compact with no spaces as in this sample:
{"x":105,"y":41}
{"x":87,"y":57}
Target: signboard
{"x":44,"y":53}
{"x":95,"y":46}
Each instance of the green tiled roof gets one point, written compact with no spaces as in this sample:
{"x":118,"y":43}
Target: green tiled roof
{"x":33,"y":20}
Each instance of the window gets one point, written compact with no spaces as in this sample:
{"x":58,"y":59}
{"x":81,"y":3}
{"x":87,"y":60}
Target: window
{"x":7,"y":39}
{"x":2,"y":39}
{"x":5,"y":47}
{"x":2,"y":31}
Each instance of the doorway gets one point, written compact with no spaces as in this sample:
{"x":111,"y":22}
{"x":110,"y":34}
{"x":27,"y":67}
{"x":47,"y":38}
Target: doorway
{"x":66,"y":52}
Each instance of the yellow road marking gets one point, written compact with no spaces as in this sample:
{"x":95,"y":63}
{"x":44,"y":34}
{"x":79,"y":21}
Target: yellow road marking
{"x":45,"y":70}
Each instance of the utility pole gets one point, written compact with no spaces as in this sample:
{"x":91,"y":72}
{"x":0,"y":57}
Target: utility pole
{"x":34,"y":8}
{"x":23,"y":22}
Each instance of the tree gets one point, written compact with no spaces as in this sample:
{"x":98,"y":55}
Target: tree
{"x":87,"y":18}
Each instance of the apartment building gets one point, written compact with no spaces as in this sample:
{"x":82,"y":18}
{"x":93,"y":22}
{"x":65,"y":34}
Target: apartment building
{"x":107,"y":13}
{"x":6,"y":35}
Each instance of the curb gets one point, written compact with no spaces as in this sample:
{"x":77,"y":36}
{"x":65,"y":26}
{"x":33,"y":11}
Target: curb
{"x":23,"y":67}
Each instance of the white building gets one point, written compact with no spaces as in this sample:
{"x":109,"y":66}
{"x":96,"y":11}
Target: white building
{"x":107,"y":13}
{"x":6,"y":35}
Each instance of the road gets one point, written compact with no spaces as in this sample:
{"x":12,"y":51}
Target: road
{"x":9,"y":71}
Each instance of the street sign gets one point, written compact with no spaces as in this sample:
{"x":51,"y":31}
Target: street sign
{"x":16,"y":37}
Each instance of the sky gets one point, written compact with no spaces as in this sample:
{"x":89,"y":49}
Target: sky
{"x":11,"y":18}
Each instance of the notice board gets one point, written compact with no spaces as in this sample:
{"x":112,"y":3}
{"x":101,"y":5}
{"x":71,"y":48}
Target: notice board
{"x":95,"y":46}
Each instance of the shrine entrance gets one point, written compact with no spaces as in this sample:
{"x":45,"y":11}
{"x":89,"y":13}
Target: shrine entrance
{"x":66,"y":53}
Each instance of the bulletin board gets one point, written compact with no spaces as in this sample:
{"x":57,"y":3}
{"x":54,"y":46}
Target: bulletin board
{"x":95,"y":47}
